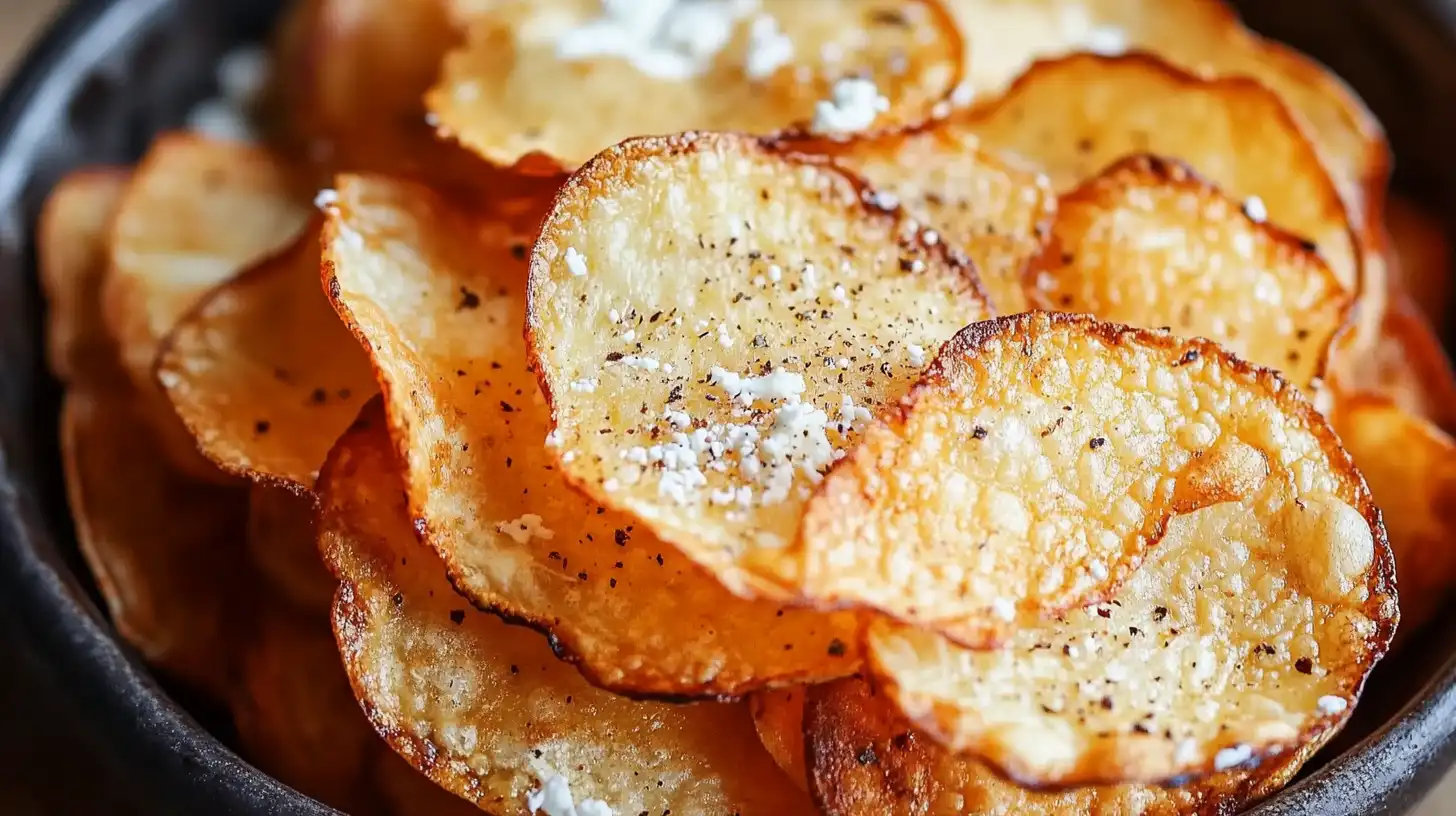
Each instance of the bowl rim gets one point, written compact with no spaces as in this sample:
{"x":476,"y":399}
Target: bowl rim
{"x":107,"y":684}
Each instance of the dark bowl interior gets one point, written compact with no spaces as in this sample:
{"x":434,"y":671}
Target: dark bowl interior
{"x":112,"y":73}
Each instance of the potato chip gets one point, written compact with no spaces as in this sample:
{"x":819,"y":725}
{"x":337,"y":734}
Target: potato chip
{"x":263,"y":373}
{"x":1411,"y":467}
{"x":778,"y":715}
{"x":1149,"y":243}
{"x":1037,"y":462}
{"x":863,"y":760}
{"x":163,"y":548}
{"x":407,"y":792}
{"x":197,"y":212}
{"x":282,"y":544}
{"x":1248,"y":630}
{"x":705,"y":368}
{"x":1076,"y":115}
{"x":295,"y":712}
{"x":439,"y":298}
{"x":524,"y":87}
{"x":996,"y":210}
{"x":1406,"y":365}
{"x":1423,"y":259}
{"x":72,"y":235}
{"x":484,"y":708}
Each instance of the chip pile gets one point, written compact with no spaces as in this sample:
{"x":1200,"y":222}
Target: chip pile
{"x":594,"y":407}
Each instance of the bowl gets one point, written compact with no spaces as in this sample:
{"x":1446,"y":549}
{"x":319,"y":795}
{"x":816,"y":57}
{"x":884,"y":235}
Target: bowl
{"x":111,"y":73}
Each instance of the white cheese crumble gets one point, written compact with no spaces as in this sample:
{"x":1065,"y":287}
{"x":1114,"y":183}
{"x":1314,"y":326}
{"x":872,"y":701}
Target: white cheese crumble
{"x":661,"y":38}
{"x":1106,"y":40}
{"x":777,"y":384}
{"x":326,"y":198}
{"x":643,"y":363}
{"x":525,"y":528}
{"x":554,"y":799}
{"x":963,"y":94}
{"x":575,"y":263}
{"x":1254,"y":208}
{"x":1004,"y":609}
{"x":1330,"y":704}
{"x":884,"y":200}
{"x":851,"y":415}
{"x":585,"y":386}
{"x":724,"y":338}
{"x":917,"y":355}
{"x":769,"y":49}
{"x":1097,"y":570}
{"x":553,"y":439}
{"x":853,"y":105}
{"x":1232,"y":757}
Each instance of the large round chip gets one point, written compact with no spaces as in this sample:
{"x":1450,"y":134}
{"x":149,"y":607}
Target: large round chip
{"x":713,"y":323}
{"x":263,"y":373}
{"x":484,"y":708}
{"x":1148,"y":243}
{"x":1076,"y":115}
{"x":865,"y":761}
{"x":1035,"y":465}
{"x":439,"y":298}
{"x":556,"y":82}
{"x":996,"y":210}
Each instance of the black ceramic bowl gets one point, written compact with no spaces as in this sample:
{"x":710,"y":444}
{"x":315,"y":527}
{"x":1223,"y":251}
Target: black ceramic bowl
{"x":80,"y":712}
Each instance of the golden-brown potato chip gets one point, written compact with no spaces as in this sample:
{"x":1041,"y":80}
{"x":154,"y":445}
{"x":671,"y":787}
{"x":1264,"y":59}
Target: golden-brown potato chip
{"x":1248,"y":630}
{"x":557,"y":82}
{"x":1077,"y":115}
{"x":1406,"y":365}
{"x":778,"y":715}
{"x":865,"y":761}
{"x":282,"y":543}
{"x":72,"y":236}
{"x":996,"y":210}
{"x":164,"y":549}
{"x":1038,"y":461}
{"x":1411,"y":467}
{"x":708,"y":362}
{"x":197,"y":212}
{"x":1149,"y":243}
{"x":1423,"y":259}
{"x":440,"y":300}
{"x":485,"y":708}
{"x":295,"y":711}
{"x":263,"y":373}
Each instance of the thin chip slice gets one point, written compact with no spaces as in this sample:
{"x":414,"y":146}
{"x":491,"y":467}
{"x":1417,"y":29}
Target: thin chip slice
{"x":778,"y":716}
{"x":1423,"y":266}
{"x":163,"y":548}
{"x":295,"y":712}
{"x":865,"y":761}
{"x":1247,"y":631}
{"x":1411,"y":467}
{"x":263,"y":373}
{"x":197,"y":212}
{"x":527,"y":80}
{"x":1035,"y":465}
{"x":1406,"y":365}
{"x":1148,"y":243}
{"x":439,"y":297}
{"x":1077,"y":115}
{"x":281,"y":541}
{"x":484,"y":708}
{"x":994,"y":209}
{"x":74,"y":225}
{"x":706,"y":367}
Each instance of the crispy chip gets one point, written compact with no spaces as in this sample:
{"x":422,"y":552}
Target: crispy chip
{"x":484,"y":708}
{"x":72,"y":235}
{"x":865,"y":761}
{"x":1246,"y":631}
{"x":1423,"y":259}
{"x":197,"y":211}
{"x":295,"y":712}
{"x":163,"y":548}
{"x":994,"y":209}
{"x":281,"y":543}
{"x":1148,"y":243}
{"x":1036,"y":463}
{"x":1075,"y":116}
{"x":558,"y":82}
{"x":1411,"y":467}
{"x":706,"y":367}
{"x":1406,"y":365}
{"x":778,"y":715}
{"x":263,"y":373}
{"x":440,"y":300}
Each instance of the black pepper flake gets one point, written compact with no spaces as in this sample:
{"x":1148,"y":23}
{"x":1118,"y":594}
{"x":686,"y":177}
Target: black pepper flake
{"x":836,"y":648}
{"x":907,"y":265}
{"x":659,"y":559}
{"x":517,"y":670}
{"x":675,"y":394}
{"x":866,"y":756}
{"x":1106,"y":703}
{"x":1304,"y":665}
{"x":1160,"y":613}
{"x":1097,"y":442}
{"x":1051,"y":429}
{"x":1264,"y":648}
{"x":978,"y":432}
{"x":319,"y":396}
{"x":398,"y":599}
{"x":621,"y":537}
{"x":1140,"y":728}
{"x":518,"y":251}
{"x":614,"y":356}
{"x":506,"y":406}
{"x":1104,"y":612}
{"x":262,"y":426}
{"x":759,"y":341}
{"x":581,"y":575}
{"x":457,"y":616}
{"x":468,"y":299}
{"x":1307,"y":245}
{"x":1188,"y":356}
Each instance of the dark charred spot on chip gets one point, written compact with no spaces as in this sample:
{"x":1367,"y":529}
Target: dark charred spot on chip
{"x":1097,"y":442}
{"x":262,"y":426}
{"x":837,"y":648}
{"x":457,"y":616}
{"x":468,"y":299}
{"x":1304,"y":665}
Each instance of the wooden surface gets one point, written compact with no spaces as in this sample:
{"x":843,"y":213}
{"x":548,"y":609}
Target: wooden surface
{"x":19,"y":22}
